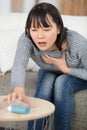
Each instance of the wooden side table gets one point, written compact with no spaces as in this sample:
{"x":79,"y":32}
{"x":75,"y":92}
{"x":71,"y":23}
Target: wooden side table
{"x":42,"y":109}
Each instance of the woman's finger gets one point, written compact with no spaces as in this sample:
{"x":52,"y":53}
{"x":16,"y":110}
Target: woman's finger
{"x":63,"y":55}
{"x":14,"y":96}
{"x":9,"y":100}
{"x":26,"y":100}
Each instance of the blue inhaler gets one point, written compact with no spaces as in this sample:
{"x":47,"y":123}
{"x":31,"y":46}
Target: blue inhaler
{"x":19,"y":109}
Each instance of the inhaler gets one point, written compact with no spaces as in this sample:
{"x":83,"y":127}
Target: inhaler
{"x":19,"y":109}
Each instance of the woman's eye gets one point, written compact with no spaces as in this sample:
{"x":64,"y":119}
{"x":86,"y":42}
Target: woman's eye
{"x":34,"y":29}
{"x":43,"y":29}
{"x":47,"y":29}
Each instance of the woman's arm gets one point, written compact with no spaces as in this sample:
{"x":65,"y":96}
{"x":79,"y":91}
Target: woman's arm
{"x":18,"y":71}
{"x":81,"y":72}
{"x":20,"y":61}
{"x":62,"y":65}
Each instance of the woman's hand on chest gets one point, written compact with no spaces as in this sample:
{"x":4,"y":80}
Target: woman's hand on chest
{"x":60,"y":63}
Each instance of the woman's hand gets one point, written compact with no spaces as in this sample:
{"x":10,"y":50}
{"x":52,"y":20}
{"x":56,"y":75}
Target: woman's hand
{"x":19,"y":94}
{"x":60,"y":63}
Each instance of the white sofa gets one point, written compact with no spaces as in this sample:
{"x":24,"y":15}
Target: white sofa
{"x":11,"y":27}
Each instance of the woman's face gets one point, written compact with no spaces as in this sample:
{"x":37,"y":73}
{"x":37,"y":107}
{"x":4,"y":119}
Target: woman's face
{"x":45,"y":37}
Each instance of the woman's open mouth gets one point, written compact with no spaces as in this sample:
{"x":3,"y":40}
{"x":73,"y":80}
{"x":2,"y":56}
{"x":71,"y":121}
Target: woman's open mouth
{"x":42,"y":44}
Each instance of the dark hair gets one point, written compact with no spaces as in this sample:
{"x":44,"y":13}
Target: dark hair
{"x":38,"y":15}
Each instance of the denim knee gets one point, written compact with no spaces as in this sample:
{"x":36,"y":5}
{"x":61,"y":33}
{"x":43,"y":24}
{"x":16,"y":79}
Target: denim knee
{"x":44,"y":88}
{"x":61,"y":85}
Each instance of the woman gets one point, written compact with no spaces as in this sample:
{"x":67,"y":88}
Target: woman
{"x":61,"y":54}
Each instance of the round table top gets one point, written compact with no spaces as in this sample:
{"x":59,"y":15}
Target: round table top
{"x":42,"y":109}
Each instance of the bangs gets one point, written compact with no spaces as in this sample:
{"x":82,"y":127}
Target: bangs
{"x":40,"y":21}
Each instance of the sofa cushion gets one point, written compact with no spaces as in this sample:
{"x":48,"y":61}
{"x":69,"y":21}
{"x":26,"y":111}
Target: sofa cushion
{"x":77,"y":23}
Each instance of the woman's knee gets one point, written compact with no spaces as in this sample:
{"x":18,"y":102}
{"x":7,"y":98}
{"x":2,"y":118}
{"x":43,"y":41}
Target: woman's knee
{"x":62,"y":86}
{"x":61,"y":81}
{"x":46,"y":77}
{"x":45,"y":84}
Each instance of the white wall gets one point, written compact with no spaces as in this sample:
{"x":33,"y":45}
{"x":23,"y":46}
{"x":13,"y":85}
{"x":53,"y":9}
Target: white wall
{"x":27,"y":5}
{"x":4,"y":6}
{"x":54,"y":2}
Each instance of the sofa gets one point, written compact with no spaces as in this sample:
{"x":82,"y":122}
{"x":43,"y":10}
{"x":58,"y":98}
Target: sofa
{"x":11,"y":27}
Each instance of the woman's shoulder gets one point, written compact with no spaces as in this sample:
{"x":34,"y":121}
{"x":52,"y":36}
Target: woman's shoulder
{"x":24,"y":37}
{"x":76,"y":42}
{"x":74,"y":38}
{"x":75,"y":35}
{"x":24,"y":40}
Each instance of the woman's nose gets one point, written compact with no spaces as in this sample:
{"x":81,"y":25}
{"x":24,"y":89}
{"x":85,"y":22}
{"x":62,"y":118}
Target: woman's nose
{"x":40,"y":34}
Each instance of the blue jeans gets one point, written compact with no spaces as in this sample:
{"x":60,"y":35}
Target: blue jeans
{"x":59,"y":89}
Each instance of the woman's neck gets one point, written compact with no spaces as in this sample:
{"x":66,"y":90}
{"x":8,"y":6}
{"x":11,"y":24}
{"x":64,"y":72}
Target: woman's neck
{"x":64,"y":47}
{"x":54,"y":48}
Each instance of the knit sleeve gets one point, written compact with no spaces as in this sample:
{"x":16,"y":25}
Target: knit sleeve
{"x":20,"y":61}
{"x":81,"y":72}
